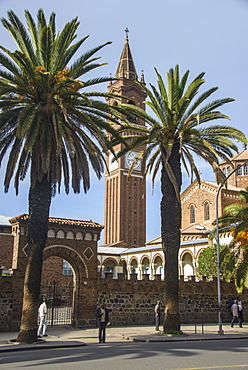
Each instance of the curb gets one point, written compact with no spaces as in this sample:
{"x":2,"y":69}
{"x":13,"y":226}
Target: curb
{"x":181,"y":339}
{"x":40,"y":346}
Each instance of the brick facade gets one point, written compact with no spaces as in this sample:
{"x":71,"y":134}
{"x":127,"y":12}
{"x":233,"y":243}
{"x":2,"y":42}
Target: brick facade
{"x":6,"y":250}
{"x":125,"y":198}
{"x":72,"y":240}
{"x":198,"y":196}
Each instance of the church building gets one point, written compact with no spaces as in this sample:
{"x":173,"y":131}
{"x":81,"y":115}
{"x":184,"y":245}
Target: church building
{"x":126,"y":262}
{"x":125,"y":248}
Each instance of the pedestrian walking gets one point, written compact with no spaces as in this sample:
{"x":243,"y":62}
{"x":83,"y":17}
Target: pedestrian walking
{"x":102,"y":314}
{"x":157,"y":315}
{"x":42,"y":311}
{"x":230,"y":306}
{"x":235,"y":313}
{"x":240,"y":309}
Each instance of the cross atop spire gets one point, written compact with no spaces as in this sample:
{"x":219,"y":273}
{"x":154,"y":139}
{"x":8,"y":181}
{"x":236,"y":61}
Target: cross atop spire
{"x":127,"y":31}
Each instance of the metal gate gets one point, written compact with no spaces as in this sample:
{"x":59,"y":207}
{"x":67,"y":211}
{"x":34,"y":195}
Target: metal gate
{"x":59,"y":303}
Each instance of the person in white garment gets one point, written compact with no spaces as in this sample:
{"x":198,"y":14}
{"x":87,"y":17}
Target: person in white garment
{"x":42,"y":312}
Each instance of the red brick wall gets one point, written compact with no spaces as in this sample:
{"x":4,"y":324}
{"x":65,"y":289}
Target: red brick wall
{"x":52,"y":271}
{"x":198,"y":197}
{"x":6,"y":250}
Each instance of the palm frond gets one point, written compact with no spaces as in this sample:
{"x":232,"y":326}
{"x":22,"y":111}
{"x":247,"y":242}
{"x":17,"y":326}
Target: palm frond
{"x":46,"y":47}
{"x":20,"y":36}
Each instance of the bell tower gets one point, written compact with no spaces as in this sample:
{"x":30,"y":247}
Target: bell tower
{"x":125,"y":199}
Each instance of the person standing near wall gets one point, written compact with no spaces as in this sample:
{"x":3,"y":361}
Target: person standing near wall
{"x":157,"y":315}
{"x":240,"y":309}
{"x":235,"y":312}
{"x":103,"y":319}
{"x":42,"y":311}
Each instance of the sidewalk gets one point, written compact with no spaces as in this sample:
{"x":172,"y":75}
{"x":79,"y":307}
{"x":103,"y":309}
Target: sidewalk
{"x":63,"y":337}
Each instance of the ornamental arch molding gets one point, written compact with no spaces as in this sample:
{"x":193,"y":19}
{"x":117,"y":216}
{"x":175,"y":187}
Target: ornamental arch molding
{"x":110,"y":259}
{"x":69,"y":254}
{"x":186,"y":251}
{"x":79,"y":252}
{"x":145,"y":257}
{"x":157,"y":256}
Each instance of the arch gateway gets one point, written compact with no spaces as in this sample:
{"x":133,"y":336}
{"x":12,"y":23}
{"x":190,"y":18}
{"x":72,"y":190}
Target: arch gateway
{"x":74,"y":241}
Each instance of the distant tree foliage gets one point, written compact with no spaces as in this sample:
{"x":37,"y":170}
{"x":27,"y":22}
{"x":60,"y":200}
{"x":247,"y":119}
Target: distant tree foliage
{"x":235,"y":220}
{"x":207,"y":262}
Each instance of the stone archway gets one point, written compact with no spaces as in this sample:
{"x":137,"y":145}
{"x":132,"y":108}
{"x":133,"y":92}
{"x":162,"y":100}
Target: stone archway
{"x":80,"y":275}
{"x":74,"y":241}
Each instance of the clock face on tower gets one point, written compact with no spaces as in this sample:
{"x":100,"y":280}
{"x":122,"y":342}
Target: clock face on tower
{"x":129,"y":160}
{"x":113,"y":165}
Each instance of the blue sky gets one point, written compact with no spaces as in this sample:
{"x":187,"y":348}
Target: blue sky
{"x":199,"y":35}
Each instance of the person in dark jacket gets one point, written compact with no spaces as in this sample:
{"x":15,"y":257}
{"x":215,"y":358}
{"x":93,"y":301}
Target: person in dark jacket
{"x":102,"y":318}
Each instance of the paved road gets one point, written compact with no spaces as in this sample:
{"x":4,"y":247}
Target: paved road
{"x":125,"y":355}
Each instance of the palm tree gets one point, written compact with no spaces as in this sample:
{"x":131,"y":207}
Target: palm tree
{"x":170,"y":139}
{"x":235,"y":219}
{"x":51,"y":124}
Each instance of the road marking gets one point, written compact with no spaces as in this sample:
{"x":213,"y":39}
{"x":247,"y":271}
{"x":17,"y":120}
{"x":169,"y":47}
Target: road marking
{"x":210,"y":367}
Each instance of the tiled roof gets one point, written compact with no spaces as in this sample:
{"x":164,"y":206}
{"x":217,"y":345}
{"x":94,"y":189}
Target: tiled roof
{"x":229,"y":187}
{"x":120,"y":244}
{"x":147,"y":248}
{"x":240,"y":156}
{"x":61,"y":221}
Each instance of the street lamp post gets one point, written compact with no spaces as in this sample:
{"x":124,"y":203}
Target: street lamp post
{"x":220,"y":331}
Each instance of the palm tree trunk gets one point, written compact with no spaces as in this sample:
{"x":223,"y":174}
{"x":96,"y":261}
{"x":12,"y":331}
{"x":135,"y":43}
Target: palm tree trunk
{"x":39,"y":206}
{"x":170,"y":231}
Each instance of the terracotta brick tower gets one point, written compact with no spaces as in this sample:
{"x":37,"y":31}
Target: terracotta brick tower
{"x":125,"y":201}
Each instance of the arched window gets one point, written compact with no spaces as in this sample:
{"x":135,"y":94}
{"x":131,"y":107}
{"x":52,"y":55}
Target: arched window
{"x":60,"y":234}
{"x":109,"y":266}
{"x":88,"y":236}
{"x":79,"y":236}
{"x":69,"y":235}
{"x":192,"y":214}
{"x":228,"y":170}
{"x":131,"y":118}
{"x":51,"y":233}
{"x":206,"y":211}
{"x":146,"y":266}
{"x":188,"y":269}
{"x":239,"y":170}
{"x":224,"y":171}
{"x":67,"y":269}
{"x":134,"y":267}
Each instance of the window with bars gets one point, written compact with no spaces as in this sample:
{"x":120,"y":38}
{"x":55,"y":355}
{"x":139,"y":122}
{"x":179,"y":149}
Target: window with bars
{"x":239,"y":170}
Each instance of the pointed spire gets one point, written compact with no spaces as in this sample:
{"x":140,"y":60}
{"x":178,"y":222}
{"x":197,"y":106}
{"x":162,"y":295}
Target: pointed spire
{"x":126,"y":67}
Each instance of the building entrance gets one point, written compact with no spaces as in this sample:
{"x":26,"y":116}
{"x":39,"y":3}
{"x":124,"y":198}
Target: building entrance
{"x":60,"y":303}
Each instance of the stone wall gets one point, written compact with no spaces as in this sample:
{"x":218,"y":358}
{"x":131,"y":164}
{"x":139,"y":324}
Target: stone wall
{"x":6,"y":250}
{"x":132,"y":302}
{"x":6,"y":302}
